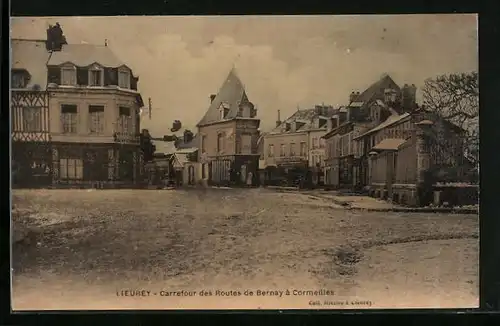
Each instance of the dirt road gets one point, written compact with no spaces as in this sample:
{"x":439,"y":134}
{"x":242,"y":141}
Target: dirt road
{"x":82,"y":249}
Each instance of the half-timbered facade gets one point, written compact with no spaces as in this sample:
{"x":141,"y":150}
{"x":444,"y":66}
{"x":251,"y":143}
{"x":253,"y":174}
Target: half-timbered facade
{"x":78,"y":106}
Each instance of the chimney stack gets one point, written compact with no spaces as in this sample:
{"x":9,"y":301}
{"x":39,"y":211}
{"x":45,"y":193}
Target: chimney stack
{"x":212,"y":97}
{"x":278,"y":122}
{"x":55,"y":38}
{"x":353,"y":97}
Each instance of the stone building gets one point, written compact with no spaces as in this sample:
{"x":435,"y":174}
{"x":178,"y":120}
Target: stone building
{"x":294,"y":149}
{"x":227,"y":136}
{"x":418,"y":158}
{"x":346,"y":164}
{"x":75,"y":114}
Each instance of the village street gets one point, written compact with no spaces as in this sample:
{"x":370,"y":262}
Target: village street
{"x":84,"y":249}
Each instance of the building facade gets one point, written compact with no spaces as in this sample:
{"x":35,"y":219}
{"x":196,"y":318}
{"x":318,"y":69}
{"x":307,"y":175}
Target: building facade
{"x":417,"y":157}
{"x":346,"y":164}
{"x":75,"y":115}
{"x":294,"y":150}
{"x":227,"y":136}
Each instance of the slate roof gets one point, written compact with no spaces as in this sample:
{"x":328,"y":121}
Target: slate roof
{"x":164,"y":147}
{"x":230,"y":94}
{"x":83,"y":55}
{"x":374,"y":89}
{"x":389,"y":144}
{"x":388,"y":122}
{"x":31,"y":55}
{"x":305,"y":116}
{"x":192,"y":144}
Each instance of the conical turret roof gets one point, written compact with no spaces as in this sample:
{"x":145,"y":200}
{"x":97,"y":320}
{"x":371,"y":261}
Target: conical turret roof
{"x":230,"y":95}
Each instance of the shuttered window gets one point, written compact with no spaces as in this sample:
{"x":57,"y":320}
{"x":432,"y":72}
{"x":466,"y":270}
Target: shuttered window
{"x":69,"y":118}
{"x":125,"y":121}
{"x":96,"y":116}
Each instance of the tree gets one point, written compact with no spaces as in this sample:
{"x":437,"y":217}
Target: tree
{"x":455,"y":98}
{"x":147,"y":146}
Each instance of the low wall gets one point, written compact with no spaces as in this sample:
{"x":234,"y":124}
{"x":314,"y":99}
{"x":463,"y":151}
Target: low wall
{"x":458,"y":195}
{"x":408,"y":194}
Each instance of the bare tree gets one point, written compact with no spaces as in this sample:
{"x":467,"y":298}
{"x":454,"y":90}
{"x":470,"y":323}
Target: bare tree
{"x":455,"y":98}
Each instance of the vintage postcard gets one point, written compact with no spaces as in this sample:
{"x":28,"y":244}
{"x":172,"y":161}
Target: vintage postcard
{"x":245,"y":162}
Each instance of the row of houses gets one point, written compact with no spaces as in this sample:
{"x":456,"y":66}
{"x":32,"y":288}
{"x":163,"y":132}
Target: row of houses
{"x":75,"y":114}
{"x":382,"y":143}
{"x":76,"y":121}
{"x":392,"y":148}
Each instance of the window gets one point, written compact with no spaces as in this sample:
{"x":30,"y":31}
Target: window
{"x":315,"y":142}
{"x":240,"y":111}
{"x":68,"y":76}
{"x":69,"y":116}
{"x":303,"y":148}
{"x":220,"y":142}
{"x":223,"y":110}
{"x":282,"y":150}
{"x":270,"y":152}
{"x":95,"y":78}
{"x":321,"y":142}
{"x":96,"y":115}
{"x":203,"y":144}
{"x":292,"y":149}
{"x":18,"y":80}
{"x":125,"y":121}
{"x":124,"y":79}
{"x":71,"y":168}
{"x":32,"y":119}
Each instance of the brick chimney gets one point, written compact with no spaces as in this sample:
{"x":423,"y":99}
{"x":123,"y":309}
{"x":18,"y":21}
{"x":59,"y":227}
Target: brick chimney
{"x":278,"y":122}
{"x":55,"y":38}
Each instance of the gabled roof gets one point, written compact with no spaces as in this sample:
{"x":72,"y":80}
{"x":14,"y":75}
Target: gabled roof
{"x":32,"y":56}
{"x":388,"y":122}
{"x":231,"y":94}
{"x":335,"y":130}
{"x":83,"y":55}
{"x":376,"y":89}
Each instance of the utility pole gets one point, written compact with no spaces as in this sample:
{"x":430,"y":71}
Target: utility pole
{"x":150,"y":108}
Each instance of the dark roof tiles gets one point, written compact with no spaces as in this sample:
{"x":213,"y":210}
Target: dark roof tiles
{"x":230,"y":95}
{"x":32,"y":56}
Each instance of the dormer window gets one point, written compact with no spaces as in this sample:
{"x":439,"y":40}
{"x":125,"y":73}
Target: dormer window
{"x":19,"y":79}
{"x":322,"y":123}
{"x":96,"y":76}
{"x":68,"y":75}
{"x":223,"y":110}
{"x":124,"y":78}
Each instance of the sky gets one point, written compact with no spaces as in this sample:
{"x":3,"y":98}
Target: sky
{"x":285,"y":62}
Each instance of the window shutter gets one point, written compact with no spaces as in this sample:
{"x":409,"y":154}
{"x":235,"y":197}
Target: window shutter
{"x":54,"y":75}
{"x":133,"y":82}
{"x":110,"y":76}
{"x":82,"y":76}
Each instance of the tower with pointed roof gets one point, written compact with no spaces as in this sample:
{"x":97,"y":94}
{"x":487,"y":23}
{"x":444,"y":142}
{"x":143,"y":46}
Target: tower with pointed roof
{"x":228,"y":134}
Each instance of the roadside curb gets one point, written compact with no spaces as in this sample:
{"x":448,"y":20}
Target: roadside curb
{"x":418,"y":210}
{"x":348,"y":206}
